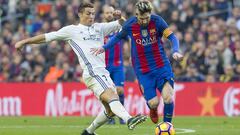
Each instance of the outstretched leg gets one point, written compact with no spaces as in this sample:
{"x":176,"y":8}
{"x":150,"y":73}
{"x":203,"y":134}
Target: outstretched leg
{"x":121,"y":99}
{"x":101,"y":119}
{"x":117,"y":108}
{"x":113,"y":107}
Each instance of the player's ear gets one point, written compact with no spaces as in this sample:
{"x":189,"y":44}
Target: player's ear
{"x":136,"y":13}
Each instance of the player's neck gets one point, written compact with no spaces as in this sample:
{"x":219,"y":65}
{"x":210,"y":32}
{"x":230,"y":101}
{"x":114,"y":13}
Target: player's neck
{"x":82,"y":22}
{"x":85,"y":24}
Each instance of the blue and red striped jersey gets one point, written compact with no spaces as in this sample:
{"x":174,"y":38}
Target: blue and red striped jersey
{"x":147,"y":50}
{"x":113,"y":56}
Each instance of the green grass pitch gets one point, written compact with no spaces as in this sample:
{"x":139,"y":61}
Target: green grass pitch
{"x":74,"y":125}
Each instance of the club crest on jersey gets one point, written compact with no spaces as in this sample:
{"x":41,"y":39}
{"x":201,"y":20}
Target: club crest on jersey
{"x":152,"y":31}
{"x":144,"y":33}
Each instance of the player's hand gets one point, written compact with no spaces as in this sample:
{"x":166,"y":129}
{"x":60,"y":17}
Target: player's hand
{"x":19,"y":46}
{"x":117,"y":14}
{"x":96,"y":51}
{"x":177,"y":56}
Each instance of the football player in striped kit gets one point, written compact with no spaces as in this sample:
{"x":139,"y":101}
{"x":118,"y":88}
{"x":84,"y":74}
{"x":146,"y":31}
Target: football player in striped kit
{"x":149,"y":59}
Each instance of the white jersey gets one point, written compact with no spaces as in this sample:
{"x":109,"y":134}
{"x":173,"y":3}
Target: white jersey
{"x":82,"y":38}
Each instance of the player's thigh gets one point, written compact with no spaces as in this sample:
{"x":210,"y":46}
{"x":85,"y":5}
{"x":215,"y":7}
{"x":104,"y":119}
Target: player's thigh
{"x":167,"y":90}
{"x":99,"y":84}
{"x":165,"y":83}
{"x":162,"y":76}
{"x":147,"y":86}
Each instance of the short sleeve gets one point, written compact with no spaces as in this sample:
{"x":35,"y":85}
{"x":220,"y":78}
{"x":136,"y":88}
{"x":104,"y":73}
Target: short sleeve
{"x":163,"y":27}
{"x":62,"y":34}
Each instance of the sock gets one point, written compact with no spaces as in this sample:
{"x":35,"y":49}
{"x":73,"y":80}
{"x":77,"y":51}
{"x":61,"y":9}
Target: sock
{"x":121,"y":98}
{"x":98,"y":121}
{"x":168,"y":112}
{"x":118,"y":109}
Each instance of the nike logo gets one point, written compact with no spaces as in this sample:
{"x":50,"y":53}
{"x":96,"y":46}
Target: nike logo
{"x":136,"y":34}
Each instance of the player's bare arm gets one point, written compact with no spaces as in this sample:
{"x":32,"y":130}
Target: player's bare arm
{"x":33,"y":40}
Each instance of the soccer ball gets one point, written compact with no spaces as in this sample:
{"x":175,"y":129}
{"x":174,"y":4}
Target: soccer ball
{"x":164,"y":128}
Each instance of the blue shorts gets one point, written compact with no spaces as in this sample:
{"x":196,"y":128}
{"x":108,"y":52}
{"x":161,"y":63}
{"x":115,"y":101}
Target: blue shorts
{"x":153,"y":80}
{"x":117,"y":75}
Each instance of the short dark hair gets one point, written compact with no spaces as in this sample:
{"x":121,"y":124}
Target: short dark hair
{"x":84,"y":5}
{"x":144,"y":6}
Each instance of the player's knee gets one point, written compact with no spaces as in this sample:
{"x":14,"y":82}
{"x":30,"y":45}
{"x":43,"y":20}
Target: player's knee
{"x":167,"y":99}
{"x":108,"y":95}
{"x":153,"y":103}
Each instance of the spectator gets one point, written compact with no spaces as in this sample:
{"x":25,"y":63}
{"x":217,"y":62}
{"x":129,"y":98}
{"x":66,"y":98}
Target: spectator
{"x":192,"y":75}
{"x":210,"y":78}
{"x":211,"y":41}
{"x":54,"y":74}
{"x":225,"y":53}
{"x":228,"y":75}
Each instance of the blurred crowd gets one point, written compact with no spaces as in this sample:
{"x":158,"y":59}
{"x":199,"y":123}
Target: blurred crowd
{"x":209,"y":34}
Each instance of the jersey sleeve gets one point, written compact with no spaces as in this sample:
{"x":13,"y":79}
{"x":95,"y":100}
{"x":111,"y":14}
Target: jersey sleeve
{"x":62,"y":34}
{"x":121,"y":35}
{"x":110,"y":27}
{"x":163,"y":27}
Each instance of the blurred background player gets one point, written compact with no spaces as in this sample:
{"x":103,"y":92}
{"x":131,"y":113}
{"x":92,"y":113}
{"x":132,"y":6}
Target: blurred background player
{"x":149,"y":59}
{"x":114,"y":59}
{"x":81,"y":38}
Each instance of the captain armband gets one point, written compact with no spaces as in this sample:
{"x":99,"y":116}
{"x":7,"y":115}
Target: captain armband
{"x":167,"y":32}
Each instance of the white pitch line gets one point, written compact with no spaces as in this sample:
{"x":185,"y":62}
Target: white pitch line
{"x":184,"y":130}
{"x":178,"y":130}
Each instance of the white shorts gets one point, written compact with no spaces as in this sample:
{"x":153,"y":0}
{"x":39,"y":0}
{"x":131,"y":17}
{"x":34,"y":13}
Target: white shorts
{"x":98,"y":83}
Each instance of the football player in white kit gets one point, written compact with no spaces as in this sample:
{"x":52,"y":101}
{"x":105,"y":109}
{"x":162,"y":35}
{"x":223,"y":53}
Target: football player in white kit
{"x":82,"y":38}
